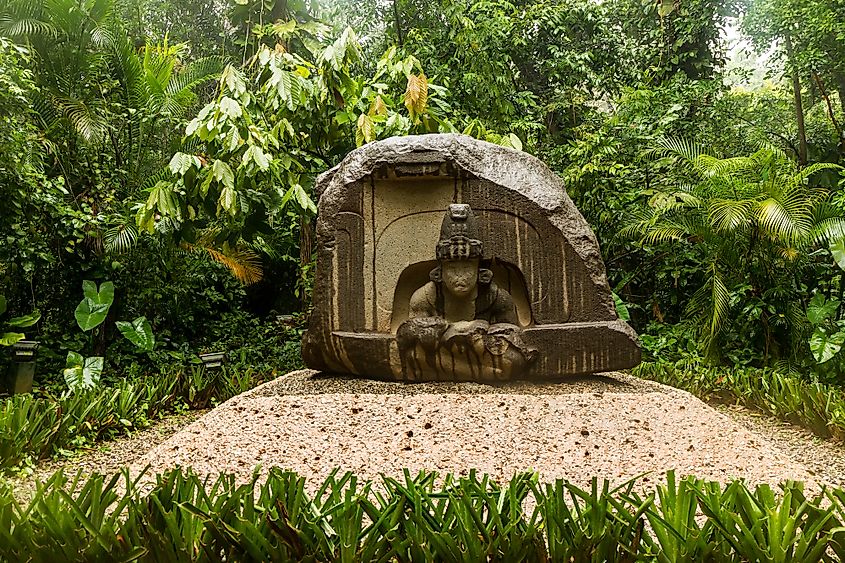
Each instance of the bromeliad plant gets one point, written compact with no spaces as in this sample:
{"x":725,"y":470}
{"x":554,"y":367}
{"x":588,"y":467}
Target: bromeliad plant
{"x":185,"y":517}
{"x":815,"y":406}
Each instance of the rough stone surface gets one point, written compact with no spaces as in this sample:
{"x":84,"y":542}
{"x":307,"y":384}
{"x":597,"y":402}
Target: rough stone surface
{"x":380,"y":215}
{"x":612,"y":426}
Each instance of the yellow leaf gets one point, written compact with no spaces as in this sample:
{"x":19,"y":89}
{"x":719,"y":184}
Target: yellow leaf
{"x":378,"y":107}
{"x":416,"y":94}
{"x":366,"y":131}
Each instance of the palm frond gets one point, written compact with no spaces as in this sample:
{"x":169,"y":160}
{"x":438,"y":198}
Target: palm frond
{"x":194,"y":74}
{"x":711,"y":305}
{"x":90,"y":126}
{"x":25,"y":18}
{"x":729,"y":215}
{"x":25,"y":27}
{"x":776,"y":220}
{"x":121,"y":238}
{"x":805,"y":173}
{"x":828,"y":229}
{"x":244,"y":264}
{"x":673,"y":146}
{"x":666,"y":232}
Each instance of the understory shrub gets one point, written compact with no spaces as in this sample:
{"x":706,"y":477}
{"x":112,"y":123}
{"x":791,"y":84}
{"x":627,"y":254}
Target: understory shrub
{"x":421,"y":518}
{"x":817,"y":406}
{"x":34,"y":427}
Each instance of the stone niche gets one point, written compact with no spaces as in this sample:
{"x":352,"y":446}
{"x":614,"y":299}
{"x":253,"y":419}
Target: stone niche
{"x":380,"y":217}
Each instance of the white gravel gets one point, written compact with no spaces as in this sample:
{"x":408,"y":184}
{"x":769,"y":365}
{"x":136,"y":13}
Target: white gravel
{"x":612,"y":426}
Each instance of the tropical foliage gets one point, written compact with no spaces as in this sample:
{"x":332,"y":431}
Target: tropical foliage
{"x":754,"y":220}
{"x":162,"y":155}
{"x":184,"y":517}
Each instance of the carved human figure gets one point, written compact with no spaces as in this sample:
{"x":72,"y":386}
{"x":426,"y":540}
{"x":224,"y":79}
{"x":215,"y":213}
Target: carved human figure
{"x":462,"y":325}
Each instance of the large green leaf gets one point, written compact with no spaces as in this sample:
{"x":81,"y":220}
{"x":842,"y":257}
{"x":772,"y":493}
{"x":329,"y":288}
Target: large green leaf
{"x":819,"y":310}
{"x":94,"y":308}
{"x":837,"y":249}
{"x":825,"y":346}
{"x":138,"y":332}
{"x":9,"y":338}
{"x":25,"y":321}
{"x":82,"y":373}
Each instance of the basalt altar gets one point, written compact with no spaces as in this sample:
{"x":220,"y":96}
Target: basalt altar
{"x":441,"y":257}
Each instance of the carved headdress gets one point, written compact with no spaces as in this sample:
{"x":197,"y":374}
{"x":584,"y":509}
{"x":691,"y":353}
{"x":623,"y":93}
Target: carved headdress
{"x":459,"y":240}
{"x":459,"y":234}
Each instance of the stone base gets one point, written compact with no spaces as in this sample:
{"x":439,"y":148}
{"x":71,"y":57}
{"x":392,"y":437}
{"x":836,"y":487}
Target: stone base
{"x":562,"y":350}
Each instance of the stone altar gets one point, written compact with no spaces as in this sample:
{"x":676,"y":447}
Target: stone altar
{"x":441,"y":257}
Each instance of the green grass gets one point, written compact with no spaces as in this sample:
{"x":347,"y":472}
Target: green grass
{"x":816,"y":406}
{"x":416,"y":518}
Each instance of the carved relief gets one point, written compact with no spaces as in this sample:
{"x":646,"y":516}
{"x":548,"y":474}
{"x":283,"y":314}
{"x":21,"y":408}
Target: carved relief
{"x":462,"y":325}
{"x":509,"y":285}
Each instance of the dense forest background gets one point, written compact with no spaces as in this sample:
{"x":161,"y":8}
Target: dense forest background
{"x":171,"y":146}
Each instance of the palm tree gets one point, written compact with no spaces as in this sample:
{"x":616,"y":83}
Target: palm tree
{"x":754,"y":219}
{"x":108,"y":111}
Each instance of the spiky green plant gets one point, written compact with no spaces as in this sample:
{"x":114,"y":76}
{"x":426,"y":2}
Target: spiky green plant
{"x":184,"y":517}
{"x":816,"y":406}
{"x":753,"y":219}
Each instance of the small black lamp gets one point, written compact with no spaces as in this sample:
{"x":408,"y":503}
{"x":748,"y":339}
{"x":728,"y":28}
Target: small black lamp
{"x":22,"y":370}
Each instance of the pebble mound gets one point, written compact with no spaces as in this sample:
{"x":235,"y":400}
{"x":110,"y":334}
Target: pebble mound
{"x":612,"y":426}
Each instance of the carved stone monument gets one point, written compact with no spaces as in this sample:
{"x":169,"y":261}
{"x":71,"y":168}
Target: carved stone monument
{"x":441,"y":257}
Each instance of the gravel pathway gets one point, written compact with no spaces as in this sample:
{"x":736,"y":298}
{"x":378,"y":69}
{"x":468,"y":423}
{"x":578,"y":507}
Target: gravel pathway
{"x":495,"y":420}
{"x":825,"y":459}
{"x":613,"y":426}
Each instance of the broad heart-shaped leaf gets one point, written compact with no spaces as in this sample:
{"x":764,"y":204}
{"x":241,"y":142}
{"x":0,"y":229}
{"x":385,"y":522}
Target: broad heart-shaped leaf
{"x":104,"y":296}
{"x":2,"y":304}
{"x":82,"y":373}
{"x":9,"y":338}
{"x":819,"y":310}
{"x":94,"y":308}
{"x":837,"y":249}
{"x":25,"y":321}
{"x":138,"y":332}
{"x":825,"y":346}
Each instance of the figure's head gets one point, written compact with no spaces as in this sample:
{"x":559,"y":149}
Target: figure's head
{"x":459,"y":251}
{"x":459,"y":277}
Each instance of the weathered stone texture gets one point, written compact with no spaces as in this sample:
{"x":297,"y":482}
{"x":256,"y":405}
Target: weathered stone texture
{"x":380,"y":215}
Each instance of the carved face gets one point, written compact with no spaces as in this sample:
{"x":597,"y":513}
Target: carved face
{"x":460,"y":276}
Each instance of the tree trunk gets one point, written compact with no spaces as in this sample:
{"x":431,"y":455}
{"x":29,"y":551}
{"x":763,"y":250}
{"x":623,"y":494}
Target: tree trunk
{"x":306,"y":248}
{"x":280,"y":11}
{"x":396,"y":20}
{"x":831,"y":114}
{"x":799,"y":109}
